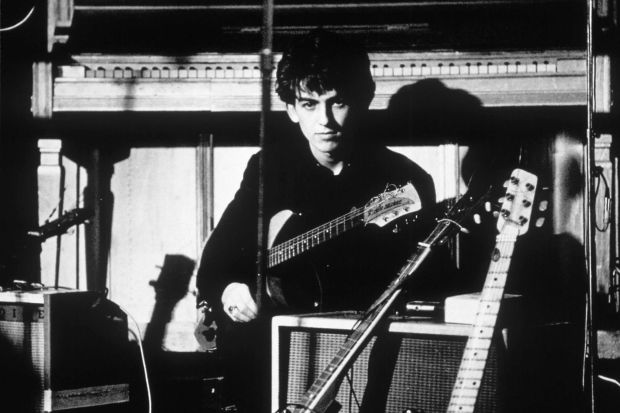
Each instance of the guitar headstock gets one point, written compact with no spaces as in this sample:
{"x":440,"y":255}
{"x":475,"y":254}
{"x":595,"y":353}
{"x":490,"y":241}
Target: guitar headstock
{"x":390,"y":205}
{"x":516,"y":209}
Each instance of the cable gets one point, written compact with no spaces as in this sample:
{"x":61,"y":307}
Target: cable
{"x":352,"y":392}
{"x":609,"y":379}
{"x":16,"y":25}
{"x":139,"y":340}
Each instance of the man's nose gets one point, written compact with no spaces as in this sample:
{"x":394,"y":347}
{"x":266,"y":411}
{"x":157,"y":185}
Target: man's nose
{"x":324,"y":114}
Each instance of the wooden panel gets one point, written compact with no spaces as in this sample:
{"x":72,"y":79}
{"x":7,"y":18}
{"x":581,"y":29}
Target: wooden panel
{"x":218,"y":82}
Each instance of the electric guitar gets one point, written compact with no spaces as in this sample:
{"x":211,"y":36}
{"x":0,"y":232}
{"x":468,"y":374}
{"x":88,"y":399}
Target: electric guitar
{"x":513,"y":221}
{"x":320,"y":397}
{"x":301,"y":290}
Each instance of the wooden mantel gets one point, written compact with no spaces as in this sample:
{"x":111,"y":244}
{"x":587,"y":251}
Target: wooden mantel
{"x":231,"y":82}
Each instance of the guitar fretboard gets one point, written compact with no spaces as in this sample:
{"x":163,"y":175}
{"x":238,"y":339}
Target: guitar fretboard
{"x":471,"y":370}
{"x":314,"y":237}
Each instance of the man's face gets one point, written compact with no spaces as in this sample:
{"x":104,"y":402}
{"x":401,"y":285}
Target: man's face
{"x":324,"y":120}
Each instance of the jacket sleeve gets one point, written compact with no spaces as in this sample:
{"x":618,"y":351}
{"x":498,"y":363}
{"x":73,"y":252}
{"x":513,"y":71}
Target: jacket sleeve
{"x":230,"y":253}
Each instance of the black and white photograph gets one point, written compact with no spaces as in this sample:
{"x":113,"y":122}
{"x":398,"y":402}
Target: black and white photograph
{"x":310,"y":206}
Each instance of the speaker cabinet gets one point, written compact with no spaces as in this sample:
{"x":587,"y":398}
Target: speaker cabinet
{"x":64,"y":349}
{"x":410,"y":368}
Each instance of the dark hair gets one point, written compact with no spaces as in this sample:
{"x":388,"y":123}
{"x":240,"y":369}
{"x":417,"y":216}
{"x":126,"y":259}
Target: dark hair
{"x":322,"y":61}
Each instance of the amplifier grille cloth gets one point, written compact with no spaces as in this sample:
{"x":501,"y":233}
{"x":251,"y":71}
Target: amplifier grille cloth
{"x":425,"y":372}
{"x":27,"y":340}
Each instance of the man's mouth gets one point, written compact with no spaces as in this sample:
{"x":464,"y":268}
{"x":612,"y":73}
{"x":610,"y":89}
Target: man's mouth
{"x":327,"y":135}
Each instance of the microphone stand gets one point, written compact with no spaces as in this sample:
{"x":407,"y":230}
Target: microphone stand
{"x":589,"y":198}
{"x":266,"y":64}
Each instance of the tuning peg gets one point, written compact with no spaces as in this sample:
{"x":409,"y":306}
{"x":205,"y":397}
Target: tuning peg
{"x":477,"y":219}
{"x":487,"y":206}
{"x":544,"y":204}
{"x":540,"y":222}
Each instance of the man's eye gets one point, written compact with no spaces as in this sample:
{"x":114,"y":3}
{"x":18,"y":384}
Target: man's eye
{"x":339,"y":104}
{"x":308,"y":105}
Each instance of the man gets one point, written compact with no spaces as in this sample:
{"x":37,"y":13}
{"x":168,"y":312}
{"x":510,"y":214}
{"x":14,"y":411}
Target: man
{"x":327,"y":87}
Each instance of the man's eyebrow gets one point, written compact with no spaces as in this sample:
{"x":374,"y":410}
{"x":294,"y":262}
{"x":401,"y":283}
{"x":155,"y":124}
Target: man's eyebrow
{"x":306,"y":99}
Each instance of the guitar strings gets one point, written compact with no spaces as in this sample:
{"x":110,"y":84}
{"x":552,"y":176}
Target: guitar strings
{"x":505,"y":246}
{"x":277,"y":254}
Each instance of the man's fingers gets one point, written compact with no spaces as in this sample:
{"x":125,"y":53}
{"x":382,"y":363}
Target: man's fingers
{"x":249,"y":306}
{"x":238,"y":303}
{"x":239,"y":313}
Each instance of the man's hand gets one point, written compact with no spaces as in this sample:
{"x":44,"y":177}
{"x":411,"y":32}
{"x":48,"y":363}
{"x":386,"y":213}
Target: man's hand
{"x":238,"y":302}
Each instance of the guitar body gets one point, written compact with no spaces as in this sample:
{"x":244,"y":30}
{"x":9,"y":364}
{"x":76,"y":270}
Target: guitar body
{"x":295,"y":261}
{"x":295,"y":284}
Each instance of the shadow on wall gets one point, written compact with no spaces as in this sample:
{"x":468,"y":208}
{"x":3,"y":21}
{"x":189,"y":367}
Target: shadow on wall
{"x":428,"y":112}
{"x":170,"y":288}
{"x":548,"y":266}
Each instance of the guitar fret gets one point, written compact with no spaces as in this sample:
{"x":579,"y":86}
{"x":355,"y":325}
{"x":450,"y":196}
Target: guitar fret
{"x":473,"y":385}
{"x":469,"y":393}
{"x":470,"y":374}
{"x":475,"y":355}
{"x":473,"y":366}
{"x":479,"y":349}
{"x":486,"y":321}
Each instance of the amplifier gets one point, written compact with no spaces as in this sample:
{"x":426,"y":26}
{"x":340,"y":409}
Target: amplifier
{"x":64,"y":349}
{"x":412,"y":367}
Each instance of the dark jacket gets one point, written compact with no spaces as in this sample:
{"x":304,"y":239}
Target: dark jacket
{"x":358,"y":263}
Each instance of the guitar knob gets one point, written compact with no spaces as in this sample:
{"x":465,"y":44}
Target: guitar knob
{"x":396,"y":229}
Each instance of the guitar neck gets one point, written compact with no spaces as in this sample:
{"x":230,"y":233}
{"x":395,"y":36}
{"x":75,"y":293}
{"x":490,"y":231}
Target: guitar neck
{"x":315,"y":237}
{"x":317,"y":398}
{"x":471,"y":370}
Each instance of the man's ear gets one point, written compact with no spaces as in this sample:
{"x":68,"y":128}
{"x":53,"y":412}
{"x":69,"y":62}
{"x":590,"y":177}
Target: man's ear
{"x":292,"y":112}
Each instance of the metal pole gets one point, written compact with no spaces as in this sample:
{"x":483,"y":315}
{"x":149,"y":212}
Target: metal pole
{"x":590,"y":216}
{"x":614,"y":268}
{"x":266,"y":62}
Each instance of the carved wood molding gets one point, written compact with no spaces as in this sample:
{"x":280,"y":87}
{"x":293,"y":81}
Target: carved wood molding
{"x":231,"y":82}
